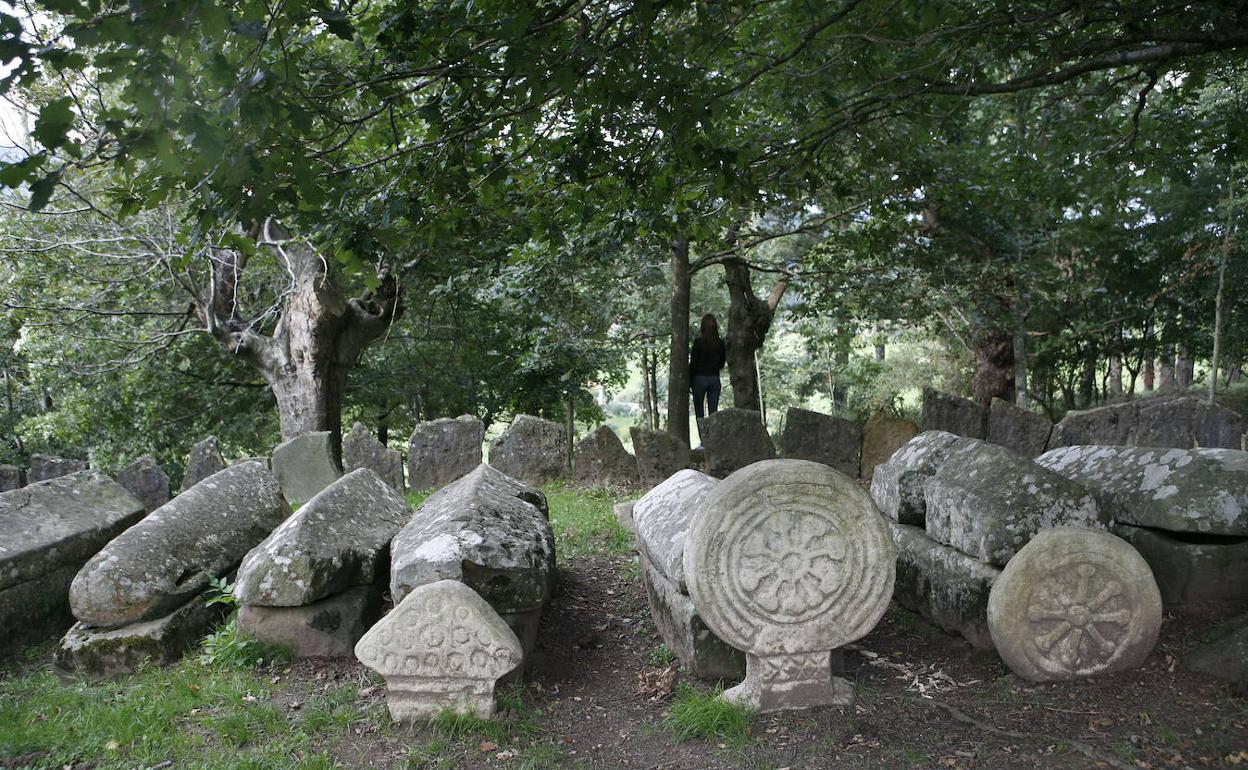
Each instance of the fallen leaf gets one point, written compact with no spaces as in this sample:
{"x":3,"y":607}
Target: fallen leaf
{"x":112,"y":745}
{"x":487,"y":746}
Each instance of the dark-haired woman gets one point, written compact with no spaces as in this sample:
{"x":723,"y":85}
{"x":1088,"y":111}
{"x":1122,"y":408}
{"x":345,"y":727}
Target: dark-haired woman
{"x":706,"y":359}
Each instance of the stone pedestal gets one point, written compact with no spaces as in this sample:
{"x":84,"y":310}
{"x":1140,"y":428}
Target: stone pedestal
{"x":786,"y":682}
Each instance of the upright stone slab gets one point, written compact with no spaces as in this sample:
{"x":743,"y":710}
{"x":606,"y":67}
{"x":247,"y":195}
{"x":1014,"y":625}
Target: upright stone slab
{"x":733,"y":439}
{"x":360,"y":449}
{"x":442,"y":648}
{"x":883,"y":435}
{"x":624,"y":514}
{"x":489,"y":531}
{"x":532,"y":450}
{"x":1181,"y":422}
{"x":899,"y":486}
{"x":1192,"y":571}
{"x":11,"y":478}
{"x":600,"y":460}
{"x":305,"y":465}
{"x":1183,"y":490}
{"x":1017,"y":429}
{"x":944,"y":585}
{"x":50,"y":529}
{"x":338,"y":540}
{"x":1074,"y":603}
{"x":204,"y":460}
{"x":167,"y":558}
{"x":443,"y":450}
{"x":953,"y":414}
{"x":659,"y":455}
{"x":43,"y":467}
{"x":1225,"y":656}
{"x":144,"y":479}
{"x":788,"y":560}
{"x":833,"y":441}
{"x":987,"y":501}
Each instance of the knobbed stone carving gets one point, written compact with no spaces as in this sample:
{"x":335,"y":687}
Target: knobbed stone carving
{"x":788,"y":560}
{"x":1074,"y":603}
{"x":443,"y":647}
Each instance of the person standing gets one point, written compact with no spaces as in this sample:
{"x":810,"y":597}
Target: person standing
{"x":706,"y":360}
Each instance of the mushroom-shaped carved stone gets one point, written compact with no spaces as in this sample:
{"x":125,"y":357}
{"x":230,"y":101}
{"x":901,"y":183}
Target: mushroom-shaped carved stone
{"x":788,"y":560}
{"x":1074,"y":603}
{"x":443,"y":647}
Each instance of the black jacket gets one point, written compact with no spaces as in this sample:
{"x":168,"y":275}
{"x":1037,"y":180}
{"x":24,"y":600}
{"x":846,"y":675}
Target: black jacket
{"x":706,"y":360}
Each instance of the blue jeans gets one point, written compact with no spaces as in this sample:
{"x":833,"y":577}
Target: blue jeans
{"x":705,"y":386}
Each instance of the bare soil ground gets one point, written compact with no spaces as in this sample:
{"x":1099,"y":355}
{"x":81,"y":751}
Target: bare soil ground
{"x":924,"y":699}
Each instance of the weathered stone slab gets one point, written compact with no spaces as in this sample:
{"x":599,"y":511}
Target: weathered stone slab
{"x":11,"y":477}
{"x":144,"y":479}
{"x":443,"y":450}
{"x":43,"y":467}
{"x":659,"y":455}
{"x":1192,"y":571}
{"x":821,"y":438}
{"x":953,"y":414}
{"x":788,"y":560}
{"x":601,"y":460}
{"x":1180,"y":422}
{"x":204,"y":460}
{"x":489,"y":531}
{"x":59,"y":522}
{"x":1225,"y":656}
{"x":339,"y":539}
{"x":99,"y":653}
{"x":703,"y":653}
{"x":443,"y":647}
{"x":1017,"y":429}
{"x":328,"y":628}
{"x":899,"y":486}
{"x":305,"y":465}
{"x":624,"y":514}
{"x":167,"y":558}
{"x":883,"y":435}
{"x":532,"y":450}
{"x":663,"y":515}
{"x":1184,"y":490}
{"x":1074,"y":603}
{"x":360,"y":449}
{"x":944,"y":585}
{"x":36,"y":609}
{"x":987,"y":501}
{"x":733,"y":439}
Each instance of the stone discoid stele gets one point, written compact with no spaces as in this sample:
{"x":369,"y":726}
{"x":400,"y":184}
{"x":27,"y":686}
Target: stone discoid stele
{"x":1074,"y":603}
{"x":788,"y":560}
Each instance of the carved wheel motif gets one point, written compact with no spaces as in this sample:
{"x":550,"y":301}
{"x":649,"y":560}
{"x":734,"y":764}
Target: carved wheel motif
{"x":1079,"y":617}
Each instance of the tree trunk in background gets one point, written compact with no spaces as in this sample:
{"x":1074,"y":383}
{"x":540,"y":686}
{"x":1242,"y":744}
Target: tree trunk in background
{"x":1087,"y":379}
{"x":749,"y":320}
{"x":994,"y":365}
{"x":1165,"y":369}
{"x":1184,"y":368}
{"x":1020,"y":366}
{"x":653,"y":374}
{"x":647,"y":395}
{"x":880,"y":350}
{"x":318,"y":338}
{"x":840,"y":392}
{"x":569,"y":405}
{"x":678,"y":359}
{"x":1115,"y":375}
{"x":1150,"y":377}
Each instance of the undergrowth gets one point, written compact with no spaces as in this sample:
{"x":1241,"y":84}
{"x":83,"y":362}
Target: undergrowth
{"x":698,"y":714}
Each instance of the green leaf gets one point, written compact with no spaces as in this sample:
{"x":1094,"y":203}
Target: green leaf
{"x":41,"y":191}
{"x":53,"y":123}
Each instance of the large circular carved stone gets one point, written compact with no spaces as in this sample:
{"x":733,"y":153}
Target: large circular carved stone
{"x":789,"y":556}
{"x":1074,"y":603}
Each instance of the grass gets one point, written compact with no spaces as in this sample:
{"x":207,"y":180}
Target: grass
{"x":584,"y":523}
{"x":698,"y":714}
{"x":662,"y":656}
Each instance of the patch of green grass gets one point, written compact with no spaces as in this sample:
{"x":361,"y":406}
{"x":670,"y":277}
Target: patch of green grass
{"x":585,"y":524}
{"x":515,"y":720}
{"x":697,"y":714}
{"x":542,"y":756}
{"x":229,"y":646}
{"x":416,"y":497}
{"x":662,"y":656}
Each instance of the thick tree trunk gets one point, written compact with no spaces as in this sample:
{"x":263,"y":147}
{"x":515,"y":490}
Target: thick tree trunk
{"x":1087,"y":379}
{"x":994,"y":365}
{"x":678,"y":359}
{"x":317,"y":340}
{"x":1115,"y":375}
{"x":749,"y":320}
{"x":1184,"y":368}
{"x":1165,"y":370}
{"x":1150,"y":376}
